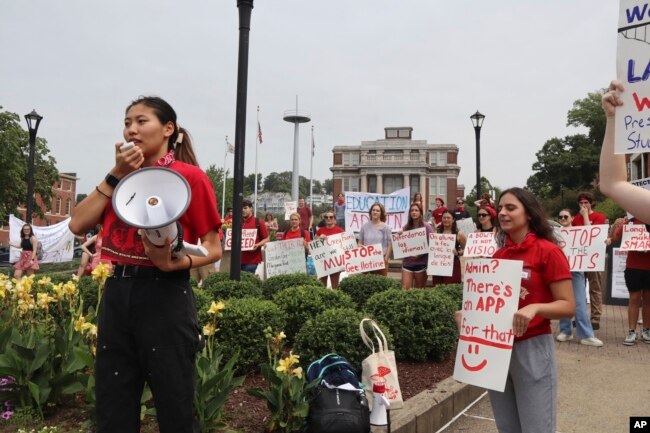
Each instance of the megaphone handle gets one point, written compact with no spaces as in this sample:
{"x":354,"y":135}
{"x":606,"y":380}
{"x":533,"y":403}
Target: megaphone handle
{"x":194,"y":250}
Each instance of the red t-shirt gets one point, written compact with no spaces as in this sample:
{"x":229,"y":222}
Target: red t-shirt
{"x":121,"y":242}
{"x":437,"y":214}
{"x":544,"y":263}
{"x":296,"y":234}
{"x":254,"y":257}
{"x":329,"y":231}
{"x":594,"y":217}
{"x":305,"y":215}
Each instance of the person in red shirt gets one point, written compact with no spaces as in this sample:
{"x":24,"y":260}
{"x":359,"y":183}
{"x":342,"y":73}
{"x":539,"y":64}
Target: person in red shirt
{"x":588,"y":216}
{"x":295,"y":232}
{"x":529,"y":401}
{"x":147,"y":324}
{"x":436,"y":214}
{"x":227,"y":220}
{"x":306,"y":216}
{"x":251,"y":259}
{"x":323,"y":232}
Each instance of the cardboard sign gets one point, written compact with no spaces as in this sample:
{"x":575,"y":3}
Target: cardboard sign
{"x":410,"y":243}
{"x":584,"y":247}
{"x":285,"y":257}
{"x":619,"y":288}
{"x":466,"y":225}
{"x":248,"y":238}
{"x":490,"y":300}
{"x":358,"y":204}
{"x":480,"y":244}
{"x":633,"y":70}
{"x":328,"y":253}
{"x":441,"y":254}
{"x":635,"y":237}
{"x":364,"y":258}
{"x":289,"y":208}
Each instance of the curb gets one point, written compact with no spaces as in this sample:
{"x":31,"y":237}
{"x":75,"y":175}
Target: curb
{"x":431,"y":409}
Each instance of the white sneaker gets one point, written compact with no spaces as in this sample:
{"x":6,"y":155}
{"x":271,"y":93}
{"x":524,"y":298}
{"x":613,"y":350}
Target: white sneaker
{"x":645,"y":335}
{"x":562,"y":337}
{"x":591,"y":341}
{"x":630,"y":338}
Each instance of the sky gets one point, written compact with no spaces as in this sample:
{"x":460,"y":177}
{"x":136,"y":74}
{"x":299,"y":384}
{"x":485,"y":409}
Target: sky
{"x":356,"y":67}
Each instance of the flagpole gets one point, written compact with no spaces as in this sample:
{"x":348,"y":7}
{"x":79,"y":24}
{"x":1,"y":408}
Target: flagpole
{"x":257,"y":142}
{"x":311,"y":171}
{"x":223,"y":194}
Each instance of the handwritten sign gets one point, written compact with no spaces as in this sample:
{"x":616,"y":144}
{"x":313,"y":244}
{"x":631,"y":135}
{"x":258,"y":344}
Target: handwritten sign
{"x":619,"y":288}
{"x":289,"y":208}
{"x":285,"y":257}
{"x":584,"y":247}
{"x":410,"y":243}
{"x":441,"y":254}
{"x":633,"y":70}
{"x":57,"y":240}
{"x":364,"y":258}
{"x":358,"y":204}
{"x":635,"y":237}
{"x":328,"y":253}
{"x":466,"y":225}
{"x":480,"y":244}
{"x":248,"y":238}
{"x":490,"y":300}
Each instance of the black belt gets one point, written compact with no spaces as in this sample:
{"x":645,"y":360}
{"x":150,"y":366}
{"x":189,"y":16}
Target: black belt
{"x":135,"y":271}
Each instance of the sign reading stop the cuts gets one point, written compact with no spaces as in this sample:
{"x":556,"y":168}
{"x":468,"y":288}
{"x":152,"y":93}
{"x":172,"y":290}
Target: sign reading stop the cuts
{"x":584,"y":247}
{"x":248,"y":238}
{"x":365,"y":258}
{"x":490,"y":300}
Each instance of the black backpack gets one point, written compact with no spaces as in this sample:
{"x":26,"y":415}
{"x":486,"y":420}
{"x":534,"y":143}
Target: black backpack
{"x":336,"y":410}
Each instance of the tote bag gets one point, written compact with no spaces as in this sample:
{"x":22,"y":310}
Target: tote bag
{"x":380,"y":367}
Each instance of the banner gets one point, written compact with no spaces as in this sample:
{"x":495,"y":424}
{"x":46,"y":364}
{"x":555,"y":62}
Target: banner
{"x":328,"y":253}
{"x":633,"y":70}
{"x":410,"y":243}
{"x":490,"y":300}
{"x":635,"y":237}
{"x":285,"y":257}
{"x":289,"y":208}
{"x":358,"y":204}
{"x":584,"y":247}
{"x":57,"y":240}
{"x":364,"y":258}
{"x":248,"y":238}
{"x":441,"y":254}
{"x":480,"y":244}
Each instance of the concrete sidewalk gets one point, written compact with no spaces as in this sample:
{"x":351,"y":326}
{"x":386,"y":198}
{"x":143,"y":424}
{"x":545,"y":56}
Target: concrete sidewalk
{"x":599,"y":388}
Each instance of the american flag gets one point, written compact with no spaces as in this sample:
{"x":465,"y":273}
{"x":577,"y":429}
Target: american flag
{"x":259,"y":133}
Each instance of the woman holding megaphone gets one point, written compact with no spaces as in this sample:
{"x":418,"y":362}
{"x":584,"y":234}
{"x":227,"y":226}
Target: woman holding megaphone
{"x":147,"y":325}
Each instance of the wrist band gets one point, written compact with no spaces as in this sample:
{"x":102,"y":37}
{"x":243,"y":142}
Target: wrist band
{"x":190,"y":266}
{"x":102,"y":193}
{"x":111,"y":180}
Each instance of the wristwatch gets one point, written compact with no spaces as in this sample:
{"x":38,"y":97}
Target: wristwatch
{"x":111,"y":180}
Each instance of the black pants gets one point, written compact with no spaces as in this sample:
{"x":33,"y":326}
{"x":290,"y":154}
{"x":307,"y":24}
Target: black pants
{"x":147,"y":331}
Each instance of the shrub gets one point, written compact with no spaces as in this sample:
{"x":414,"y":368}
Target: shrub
{"x":202,"y":301}
{"x":301,"y":303}
{"x":216,"y":277}
{"x":273,"y":285}
{"x":89,"y":291}
{"x":362,"y":286}
{"x":242,"y":329}
{"x":333,"y":331}
{"x":232,"y":289}
{"x":421,"y":321}
{"x":454,"y":291}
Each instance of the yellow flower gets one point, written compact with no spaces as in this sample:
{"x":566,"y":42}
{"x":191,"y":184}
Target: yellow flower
{"x":58,"y":291}
{"x":92,"y":329}
{"x":75,"y":278}
{"x":43,"y":300}
{"x":79,"y":324}
{"x":215,"y":307}
{"x":287,"y":363}
{"x":297,"y":372}
{"x":70,"y":288}
{"x":44,"y":281}
{"x":281,"y":336}
{"x":101,"y":273}
{"x":209,"y":329}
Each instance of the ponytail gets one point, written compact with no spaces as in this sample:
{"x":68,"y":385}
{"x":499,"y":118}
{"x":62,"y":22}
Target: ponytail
{"x":181,"y":142}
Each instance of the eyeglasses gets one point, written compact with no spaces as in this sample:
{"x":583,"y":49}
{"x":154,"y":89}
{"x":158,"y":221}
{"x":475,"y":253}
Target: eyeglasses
{"x":482,"y":215}
{"x":563,"y":217}
{"x":329,"y":217}
{"x":460,"y":202}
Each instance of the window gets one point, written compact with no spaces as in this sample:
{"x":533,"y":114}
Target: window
{"x":372,"y":183}
{"x":350,"y":159}
{"x":415,"y":184}
{"x":393,"y":183}
{"x":438,"y":159}
{"x":391,"y":133}
{"x":68,"y":207}
{"x":351,"y":184}
{"x":437,"y":187}
{"x":57,"y":207}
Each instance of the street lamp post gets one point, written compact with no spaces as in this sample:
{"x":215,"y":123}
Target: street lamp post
{"x":33,"y":120}
{"x":477,"y":120}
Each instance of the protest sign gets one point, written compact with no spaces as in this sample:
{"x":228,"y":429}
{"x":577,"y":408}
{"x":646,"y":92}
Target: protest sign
{"x":57,"y":240}
{"x":441,"y":254}
{"x":289,"y":208}
{"x":642,"y":183}
{"x":466,"y":225}
{"x":410,"y":243}
{"x":490,"y":300}
{"x":358,"y":204}
{"x":364,"y":258}
{"x":328,"y":253}
{"x":285,"y":257}
{"x":480,"y":244}
{"x":584,"y":247}
{"x":248,"y":238}
{"x":633,"y":70}
{"x":635,"y":237}
{"x":619,"y":288}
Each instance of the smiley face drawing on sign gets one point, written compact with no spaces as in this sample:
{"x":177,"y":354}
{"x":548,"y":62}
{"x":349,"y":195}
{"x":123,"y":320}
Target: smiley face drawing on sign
{"x":473,"y":349}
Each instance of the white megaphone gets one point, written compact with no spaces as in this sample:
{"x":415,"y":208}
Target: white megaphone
{"x":152,"y":199}
{"x":380,"y":404}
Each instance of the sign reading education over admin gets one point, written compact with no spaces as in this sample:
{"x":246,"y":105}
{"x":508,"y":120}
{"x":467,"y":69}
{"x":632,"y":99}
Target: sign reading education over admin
{"x":358,"y":204}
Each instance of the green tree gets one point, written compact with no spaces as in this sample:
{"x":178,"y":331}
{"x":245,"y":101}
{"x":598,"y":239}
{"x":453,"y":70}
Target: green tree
{"x":249,"y":183}
{"x":281,"y":182}
{"x":14,"y":159}
{"x":328,"y":186}
{"x":216,"y":178}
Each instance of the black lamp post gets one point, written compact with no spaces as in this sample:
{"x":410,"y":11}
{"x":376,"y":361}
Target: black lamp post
{"x":477,"y":120}
{"x":33,"y":120}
